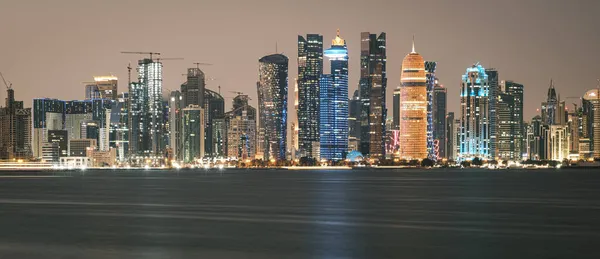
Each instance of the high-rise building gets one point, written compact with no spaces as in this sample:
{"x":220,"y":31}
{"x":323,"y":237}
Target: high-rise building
{"x":214,"y":109}
{"x":48,"y":114}
{"x":192,"y":133}
{"x":373,"y":86}
{"x":150,"y":75}
{"x":552,"y":114}
{"x":272,"y":89}
{"x":516,"y":91}
{"x":450,"y":137}
{"x":175,"y":126}
{"x":591,"y":113}
{"x":430,"y":67}
{"x":192,"y":91}
{"x":103,"y":87}
{"x":557,"y":143}
{"x":493,"y":92}
{"x":241,"y":129}
{"x":506,"y":127}
{"x":474,"y":130}
{"x":146,"y":120}
{"x":310,"y":69}
{"x":334,"y":103}
{"x":355,"y":106}
{"x":535,"y":139}
{"x":396,"y":108}
{"x":413,"y":107}
{"x":101,"y":112}
{"x":119,"y":131}
{"x":15,"y":129}
{"x":439,"y":121}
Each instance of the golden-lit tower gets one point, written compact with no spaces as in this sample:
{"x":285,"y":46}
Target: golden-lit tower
{"x":413,"y":107}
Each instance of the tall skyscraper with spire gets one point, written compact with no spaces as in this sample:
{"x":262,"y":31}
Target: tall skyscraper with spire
{"x":373,"y":86}
{"x":333,"y":115}
{"x":553,"y":110}
{"x":310,"y":69}
{"x":474,"y":122}
{"x":272,"y":105}
{"x":413,"y":107}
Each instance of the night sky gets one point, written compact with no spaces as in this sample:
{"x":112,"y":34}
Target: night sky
{"x":47,"y":48}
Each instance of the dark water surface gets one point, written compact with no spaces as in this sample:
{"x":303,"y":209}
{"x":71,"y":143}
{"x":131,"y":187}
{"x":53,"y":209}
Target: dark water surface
{"x":302,"y":214}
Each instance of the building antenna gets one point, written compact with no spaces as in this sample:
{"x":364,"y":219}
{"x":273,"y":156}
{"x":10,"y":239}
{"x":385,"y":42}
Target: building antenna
{"x":129,"y":74}
{"x":276,"y":51}
{"x":413,"y":43}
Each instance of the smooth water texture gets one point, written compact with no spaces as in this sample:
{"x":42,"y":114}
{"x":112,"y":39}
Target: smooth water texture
{"x":301,"y":214}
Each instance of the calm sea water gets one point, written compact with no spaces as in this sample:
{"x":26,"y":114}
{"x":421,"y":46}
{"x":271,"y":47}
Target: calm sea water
{"x":302,"y":214}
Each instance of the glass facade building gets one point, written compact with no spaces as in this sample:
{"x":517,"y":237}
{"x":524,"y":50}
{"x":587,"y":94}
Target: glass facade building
{"x":272,"y":90}
{"x":192,"y":133}
{"x":474,"y":123}
{"x":310,"y":69}
{"x":373,"y":88}
{"x":334,"y":103}
{"x":516,"y":91}
{"x":439,"y":108}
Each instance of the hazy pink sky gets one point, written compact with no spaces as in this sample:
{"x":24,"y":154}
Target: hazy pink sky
{"x":47,"y":48}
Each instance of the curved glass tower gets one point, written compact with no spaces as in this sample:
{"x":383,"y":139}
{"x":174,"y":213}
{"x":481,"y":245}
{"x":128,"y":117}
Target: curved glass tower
{"x":333,"y":115}
{"x":272,"y":103}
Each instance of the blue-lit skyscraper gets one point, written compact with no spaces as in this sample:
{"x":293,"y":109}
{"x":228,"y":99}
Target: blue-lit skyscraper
{"x":333,"y":115}
{"x":474,"y":122}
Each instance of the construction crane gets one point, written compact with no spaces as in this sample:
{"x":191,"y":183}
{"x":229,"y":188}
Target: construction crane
{"x":141,"y":53}
{"x":8,"y":85}
{"x":160,"y":59}
{"x":198,"y":64}
{"x":238,"y":93}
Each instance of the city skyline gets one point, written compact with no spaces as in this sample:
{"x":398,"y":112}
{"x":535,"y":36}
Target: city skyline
{"x":531,"y":61}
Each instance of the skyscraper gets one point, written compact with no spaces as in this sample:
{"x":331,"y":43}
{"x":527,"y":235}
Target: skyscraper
{"x":354,"y":106}
{"x":494,"y":90}
{"x":413,"y":107}
{"x":396,"y":108}
{"x":119,"y":122}
{"x":241,"y":129}
{"x":439,"y":121}
{"x":334,"y":103}
{"x":373,"y":86}
{"x":214,"y":109}
{"x":550,"y":108}
{"x":506,"y":127}
{"x":139,"y":142}
{"x":15,"y":129}
{"x":474,"y":101}
{"x":450,"y":137}
{"x":591,"y":112}
{"x":192,"y":133}
{"x":430,"y":67}
{"x":192,"y":91}
{"x":516,"y":91}
{"x":48,"y":114}
{"x":146,"y":110}
{"x":175,"y":124}
{"x":272,"y":89}
{"x":310,"y":69}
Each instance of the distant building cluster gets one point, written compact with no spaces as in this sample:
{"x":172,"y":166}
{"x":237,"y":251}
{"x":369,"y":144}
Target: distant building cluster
{"x":146,"y":127}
